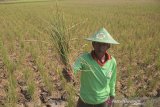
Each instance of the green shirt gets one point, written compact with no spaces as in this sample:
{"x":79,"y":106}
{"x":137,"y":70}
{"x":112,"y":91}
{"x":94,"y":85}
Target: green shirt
{"x":97,"y":82}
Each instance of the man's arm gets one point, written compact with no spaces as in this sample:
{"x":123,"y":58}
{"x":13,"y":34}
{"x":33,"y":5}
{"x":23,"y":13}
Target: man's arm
{"x":112,"y":86}
{"x":113,"y":80}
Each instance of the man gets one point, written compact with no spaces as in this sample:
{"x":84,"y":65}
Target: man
{"x":98,"y":72}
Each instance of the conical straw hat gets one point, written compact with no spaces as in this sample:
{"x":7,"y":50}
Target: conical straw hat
{"x":102,"y":36}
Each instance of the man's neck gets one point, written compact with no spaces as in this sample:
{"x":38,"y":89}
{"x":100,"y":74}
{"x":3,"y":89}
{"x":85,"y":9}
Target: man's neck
{"x":101,"y":57}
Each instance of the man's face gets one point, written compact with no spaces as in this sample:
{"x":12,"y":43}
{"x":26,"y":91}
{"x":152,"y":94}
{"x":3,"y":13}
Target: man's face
{"x":100,"y":47}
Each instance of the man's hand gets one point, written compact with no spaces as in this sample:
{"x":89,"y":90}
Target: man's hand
{"x":67,"y":74}
{"x":110,"y":101}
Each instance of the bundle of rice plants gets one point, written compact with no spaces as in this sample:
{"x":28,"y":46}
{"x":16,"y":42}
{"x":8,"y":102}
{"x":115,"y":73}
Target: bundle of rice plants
{"x":61,"y":38}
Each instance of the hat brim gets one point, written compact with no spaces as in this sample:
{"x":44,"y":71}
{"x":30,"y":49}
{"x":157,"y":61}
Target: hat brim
{"x":102,"y":41}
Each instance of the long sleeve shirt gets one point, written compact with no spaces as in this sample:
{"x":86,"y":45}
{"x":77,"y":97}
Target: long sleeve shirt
{"x":97,"y":80}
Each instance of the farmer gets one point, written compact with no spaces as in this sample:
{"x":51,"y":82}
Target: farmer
{"x":98,"y":72}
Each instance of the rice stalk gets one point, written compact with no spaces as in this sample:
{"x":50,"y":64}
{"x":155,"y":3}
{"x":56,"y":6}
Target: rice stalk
{"x":45,"y":76}
{"x":61,"y":37}
{"x":61,"y":41}
{"x":29,"y":78}
{"x":11,"y":89}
